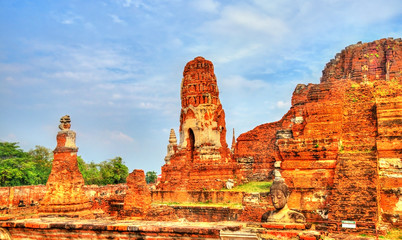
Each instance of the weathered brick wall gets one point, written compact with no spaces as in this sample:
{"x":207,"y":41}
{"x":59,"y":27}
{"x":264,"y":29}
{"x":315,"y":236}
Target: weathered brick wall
{"x":354,"y":195}
{"x":389,"y":147}
{"x":255,"y":151}
{"x":339,"y":146}
{"x":371,"y":132}
{"x":197,"y":196}
{"x":11,"y":196}
{"x":138,"y":198}
{"x":207,"y":214}
{"x":99,"y":196}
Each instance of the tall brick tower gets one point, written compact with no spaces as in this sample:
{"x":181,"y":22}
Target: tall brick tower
{"x":202,"y":159}
{"x":64,"y":188}
{"x":202,"y":119}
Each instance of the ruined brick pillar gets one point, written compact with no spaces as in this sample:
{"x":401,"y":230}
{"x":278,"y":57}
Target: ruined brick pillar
{"x":202,"y":159}
{"x":64,"y":188}
{"x":138,"y":199}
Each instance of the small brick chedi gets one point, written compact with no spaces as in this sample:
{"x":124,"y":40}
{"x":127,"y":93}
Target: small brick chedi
{"x":202,"y":157}
{"x":64,"y":188}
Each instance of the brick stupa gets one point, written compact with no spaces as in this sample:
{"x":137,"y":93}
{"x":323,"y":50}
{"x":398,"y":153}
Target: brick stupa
{"x":64,"y":188}
{"x":202,"y":157}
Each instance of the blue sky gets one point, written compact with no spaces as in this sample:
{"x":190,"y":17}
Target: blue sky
{"x":115,"y":66}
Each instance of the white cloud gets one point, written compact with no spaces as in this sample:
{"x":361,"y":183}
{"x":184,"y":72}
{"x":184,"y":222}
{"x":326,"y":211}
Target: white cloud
{"x":135,"y":3}
{"x":239,"y":83}
{"x":116,"y":19}
{"x":68,"y":18}
{"x":83,"y":63}
{"x":241,"y":53}
{"x":210,"y":6}
{"x":105,"y":136}
{"x":68,"y":21}
{"x":283,"y":104}
{"x":127,"y":3}
{"x":13,"y":67}
{"x":246,"y":22}
{"x":243,"y":34}
{"x":119,"y":136}
{"x":9,"y":138}
{"x":147,"y":105}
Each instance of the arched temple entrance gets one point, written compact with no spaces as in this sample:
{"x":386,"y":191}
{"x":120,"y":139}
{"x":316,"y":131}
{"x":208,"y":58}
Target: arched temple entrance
{"x":191,"y":138}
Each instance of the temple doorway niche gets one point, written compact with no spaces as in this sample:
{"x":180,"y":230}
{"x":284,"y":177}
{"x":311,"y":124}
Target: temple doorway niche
{"x":191,"y":137}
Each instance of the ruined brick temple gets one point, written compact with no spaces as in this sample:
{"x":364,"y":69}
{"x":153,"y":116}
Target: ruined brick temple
{"x":202,"y":158}
{"x":338,"y":150}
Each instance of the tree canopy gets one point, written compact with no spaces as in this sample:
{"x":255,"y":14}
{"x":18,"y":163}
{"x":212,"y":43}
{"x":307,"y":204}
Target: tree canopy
{"x":151,"y":177}
{"x":24,"y":168}
{"x":112,"y":171}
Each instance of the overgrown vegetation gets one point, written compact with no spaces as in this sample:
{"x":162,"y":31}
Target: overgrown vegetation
{"x":23,"y":168}
{"x":112,"y":171}
{"x":252,"y":187}
{"x":204,"y":204}
{"x":393,"y":234}
{"x":18,"y":167}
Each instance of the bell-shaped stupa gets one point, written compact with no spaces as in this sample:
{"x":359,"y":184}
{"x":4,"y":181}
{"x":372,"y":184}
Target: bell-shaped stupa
{"x":202,"y":159}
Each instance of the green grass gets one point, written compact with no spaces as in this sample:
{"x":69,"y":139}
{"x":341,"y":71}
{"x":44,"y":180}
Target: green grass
{"x":204,"y":204}
{"x":251,"y":187}
{"x":394,"y":234}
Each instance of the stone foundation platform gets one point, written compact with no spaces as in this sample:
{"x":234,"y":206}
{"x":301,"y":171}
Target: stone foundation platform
{"x":70,"y":228}
{"x":12,"y":227}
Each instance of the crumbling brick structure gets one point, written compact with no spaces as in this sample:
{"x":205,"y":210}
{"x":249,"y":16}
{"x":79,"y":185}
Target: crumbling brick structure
{"x":202,"y":157}
{"x":138,"y":198}
{"x":64,"y":188}
{"x":339,"y":146}
{"x":339,"y":149}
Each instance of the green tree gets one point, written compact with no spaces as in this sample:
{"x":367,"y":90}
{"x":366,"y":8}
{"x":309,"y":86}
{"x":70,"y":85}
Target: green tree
{"x":113,"y":171}
{"x":42,"y":159}
{"x":90,"y":172}
{"x":31,"y":168}
{"x":151,"y":177}
{"x":16,"y":166}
